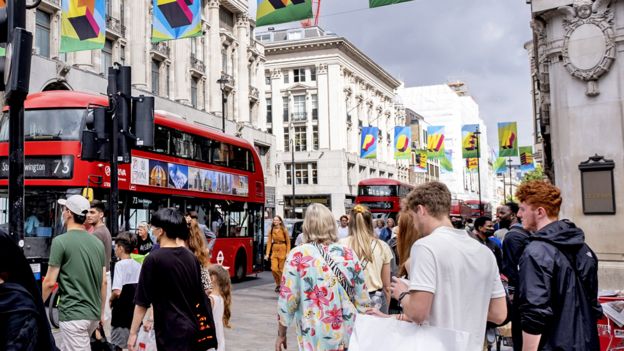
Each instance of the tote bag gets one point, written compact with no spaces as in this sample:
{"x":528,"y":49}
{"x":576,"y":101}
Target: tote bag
{"x":372,"y":333}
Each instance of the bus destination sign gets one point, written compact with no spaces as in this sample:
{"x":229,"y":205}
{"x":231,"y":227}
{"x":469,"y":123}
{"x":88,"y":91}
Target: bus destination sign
{"x":46,"y":167}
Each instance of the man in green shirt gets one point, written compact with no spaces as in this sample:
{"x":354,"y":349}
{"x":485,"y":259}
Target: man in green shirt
{"x":77,"y":261}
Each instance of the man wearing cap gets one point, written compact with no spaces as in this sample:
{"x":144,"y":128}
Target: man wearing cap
{"x":77,"y":262}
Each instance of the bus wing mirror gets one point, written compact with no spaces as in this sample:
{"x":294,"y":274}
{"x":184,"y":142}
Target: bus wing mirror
{"x":143,"y":118}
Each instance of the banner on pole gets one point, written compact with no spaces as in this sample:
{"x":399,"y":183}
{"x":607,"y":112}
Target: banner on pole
{"x":446,"y":162}
{"x":420,"y":162}
{"x":368,"y":145}
{"x":379,"y":3}
{"x":435,"y":142}
{"x":472,"y":163}
{"x":282,"y":11}
{"x":176,"y":19}
{"x":526,"y":159}
{"x":83,"y":25}
{"x":402,"y":143}
{"x":500,"y":165}
{"x":507,"y":139}
{"x":470,"y":142}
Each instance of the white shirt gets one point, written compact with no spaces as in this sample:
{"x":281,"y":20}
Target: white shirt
{"x":343,"y":232}
{"x":126,"y":272}
{"x":463,"y":276}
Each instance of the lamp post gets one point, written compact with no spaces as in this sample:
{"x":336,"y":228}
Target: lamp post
{"x":222,"y":82}
{"x":476,"y":134}
{"x":510,"y":179}
{"x":292,"y":166}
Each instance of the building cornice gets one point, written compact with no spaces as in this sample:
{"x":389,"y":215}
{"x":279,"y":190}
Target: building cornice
{"x":325,"y":43}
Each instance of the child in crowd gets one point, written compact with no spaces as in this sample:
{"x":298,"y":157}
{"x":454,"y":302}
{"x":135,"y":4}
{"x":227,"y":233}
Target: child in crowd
{"x":221,"y":300}
{"x":125,"y":281}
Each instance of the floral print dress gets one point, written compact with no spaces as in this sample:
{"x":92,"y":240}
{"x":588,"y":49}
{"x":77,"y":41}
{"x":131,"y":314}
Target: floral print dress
{"x":312,"y":296}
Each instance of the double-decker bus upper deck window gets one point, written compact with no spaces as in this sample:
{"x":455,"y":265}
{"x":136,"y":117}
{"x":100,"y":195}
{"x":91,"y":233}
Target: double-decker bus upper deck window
{"x":161,"y":140}
{"x":377,"y":190}
{"x":49,"y":124}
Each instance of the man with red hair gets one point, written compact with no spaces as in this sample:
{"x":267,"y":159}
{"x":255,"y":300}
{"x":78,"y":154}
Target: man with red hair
{"x":558,"y":279}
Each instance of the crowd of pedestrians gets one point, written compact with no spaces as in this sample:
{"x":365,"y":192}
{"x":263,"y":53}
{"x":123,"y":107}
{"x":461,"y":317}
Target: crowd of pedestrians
{"x":162,"y":282}
{"x":527,"y":267}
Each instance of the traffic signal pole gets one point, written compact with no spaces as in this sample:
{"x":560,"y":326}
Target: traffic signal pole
{"x":15,"y":83}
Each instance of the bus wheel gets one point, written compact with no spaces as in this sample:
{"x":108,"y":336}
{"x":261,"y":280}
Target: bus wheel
{"x":240,"y":266}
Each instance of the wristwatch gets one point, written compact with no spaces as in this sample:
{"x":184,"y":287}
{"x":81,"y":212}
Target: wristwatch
{"x":402,"y":295}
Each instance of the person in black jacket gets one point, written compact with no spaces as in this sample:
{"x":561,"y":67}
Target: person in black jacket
{"x":23,"y":321}
{"x":483,"y":232}
{"x":558,"y":276}
{"x":516,"y":240}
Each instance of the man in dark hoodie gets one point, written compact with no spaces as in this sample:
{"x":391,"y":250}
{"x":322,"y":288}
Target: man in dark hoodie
{"x":23,"y":322}
{"x":558,"y":282}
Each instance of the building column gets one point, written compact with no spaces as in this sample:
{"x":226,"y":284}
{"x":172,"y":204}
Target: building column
{"x":242,"y":68}
{"x":233,"y":97}
{"x":323,"y":105}
{"x":278,"y":109}
{"x":214,"y":55}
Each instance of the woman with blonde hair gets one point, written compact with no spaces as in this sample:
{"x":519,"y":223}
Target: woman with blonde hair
{"x":375,"y":255}
{"x":278,"y":246}
{"x":197,"y":244}
{"x":322,"y":288}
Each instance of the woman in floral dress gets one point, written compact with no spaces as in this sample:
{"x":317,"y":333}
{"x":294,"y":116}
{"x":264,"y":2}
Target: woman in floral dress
{"x":312,"y":294}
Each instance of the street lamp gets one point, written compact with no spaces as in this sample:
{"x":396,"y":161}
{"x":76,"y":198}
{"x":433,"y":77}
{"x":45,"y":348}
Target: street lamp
{"x":222,"y":82}
{"x":292,"y":166}
{"x":476,"y":135}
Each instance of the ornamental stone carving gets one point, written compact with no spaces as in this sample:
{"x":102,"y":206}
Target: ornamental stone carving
{"x":276,"y":73}
{"x":322,"y":68}
{"x":588,"y":46}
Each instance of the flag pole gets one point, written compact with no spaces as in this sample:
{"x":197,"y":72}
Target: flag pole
{"x":477,"y":133}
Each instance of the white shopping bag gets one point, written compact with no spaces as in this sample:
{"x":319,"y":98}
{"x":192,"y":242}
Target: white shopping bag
{"x":374,"y":333}
{"x":146,"y":341}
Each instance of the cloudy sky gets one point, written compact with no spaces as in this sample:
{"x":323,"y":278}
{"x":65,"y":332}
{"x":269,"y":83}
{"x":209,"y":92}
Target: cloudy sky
{"x":425,"y":42}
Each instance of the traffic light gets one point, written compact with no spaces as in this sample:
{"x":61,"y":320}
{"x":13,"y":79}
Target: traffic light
{"x":15,"y":65}
{"x":129,"y":121}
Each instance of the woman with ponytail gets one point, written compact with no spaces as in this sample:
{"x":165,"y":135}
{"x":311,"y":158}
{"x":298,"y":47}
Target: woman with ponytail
{"x":221,"y":301}
{"x":374,"y":254}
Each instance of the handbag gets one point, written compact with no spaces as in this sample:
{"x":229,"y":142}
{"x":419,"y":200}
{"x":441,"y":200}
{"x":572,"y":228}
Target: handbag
{"x":372,"y":333}
{"x":99,"y":341}
{"x":206,"y":336}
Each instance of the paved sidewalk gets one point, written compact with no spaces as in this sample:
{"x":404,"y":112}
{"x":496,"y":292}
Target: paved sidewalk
{"x":254,"y":316}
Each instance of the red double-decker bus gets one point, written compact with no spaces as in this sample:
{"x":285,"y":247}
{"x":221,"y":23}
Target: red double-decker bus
{"x":189,"y":168}
{"x":382,"y":196}
{"x":475,"y":212}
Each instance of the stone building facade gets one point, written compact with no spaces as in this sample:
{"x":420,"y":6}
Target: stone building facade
{"x":577,"y":62}
{"x":181,"y":74}
{"x":320,"y":90}
{"x":451,"y":106}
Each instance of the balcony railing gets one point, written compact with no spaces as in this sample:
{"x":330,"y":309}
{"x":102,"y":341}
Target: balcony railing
{"x":299,"y":116}
{"x":197,"y":64}
{"x":114,"y":25}
{"x":56,"y":3}
{"x":161,"y":48}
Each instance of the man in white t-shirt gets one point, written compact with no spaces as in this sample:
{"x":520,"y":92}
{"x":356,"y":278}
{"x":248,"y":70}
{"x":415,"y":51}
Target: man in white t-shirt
{"x":343,"y":229}
{"x":454,"y":281}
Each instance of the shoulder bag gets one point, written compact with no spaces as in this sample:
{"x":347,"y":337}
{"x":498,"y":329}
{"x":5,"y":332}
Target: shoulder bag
{"x":339,"y":274}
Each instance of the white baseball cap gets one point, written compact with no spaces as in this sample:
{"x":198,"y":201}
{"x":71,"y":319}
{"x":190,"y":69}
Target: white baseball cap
{"x":77,"y":204}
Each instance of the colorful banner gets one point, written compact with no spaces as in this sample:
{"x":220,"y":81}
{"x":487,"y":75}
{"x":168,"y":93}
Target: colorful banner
{"x":446,"y":162}
{"x":282,"y":11}
{"x":500,"y":165}
{"x":435,"y":142}
{"x":176,"y":176}
{"x":368,"y":145}
{"x":83,"y":25}
{"x":420,"y":162}
{"x":472,"y":164}
{"x":402,"y":143}
{"x":470,"y":142}
{"x":176,"y":19}
{"x":526,"y":159}
{"x":378,"y":3}
{"x":507,"y":139}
